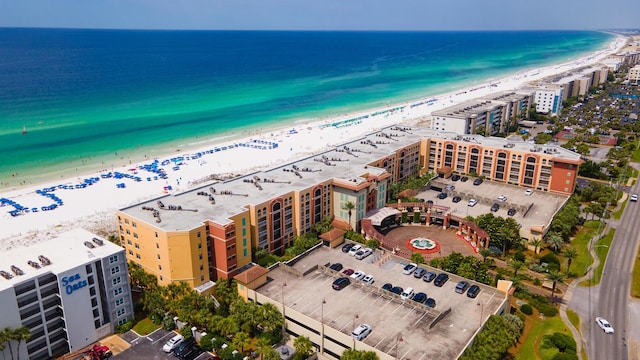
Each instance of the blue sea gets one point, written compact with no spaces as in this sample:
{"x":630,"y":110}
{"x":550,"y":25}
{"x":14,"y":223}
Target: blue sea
{"x":89,"y":99}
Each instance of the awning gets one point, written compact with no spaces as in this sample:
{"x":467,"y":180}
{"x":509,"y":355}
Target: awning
{"x":379,"y":215}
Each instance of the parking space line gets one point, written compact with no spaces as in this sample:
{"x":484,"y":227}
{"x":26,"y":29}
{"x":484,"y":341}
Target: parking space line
{"x":406,"y":352}
{"x":420,"y":318}
{"x":409,"y":313}
{"x":396,"y":309}
{"x":381,"y":340}
{"x":423,"y":355}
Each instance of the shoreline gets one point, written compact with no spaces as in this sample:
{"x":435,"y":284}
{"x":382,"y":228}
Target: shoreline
{"x":282,"y":143}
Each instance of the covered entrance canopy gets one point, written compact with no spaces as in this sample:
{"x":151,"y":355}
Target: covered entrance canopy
{"x":377,"y":216}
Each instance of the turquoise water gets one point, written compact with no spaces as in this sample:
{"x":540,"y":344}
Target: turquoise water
{"x":93,"y":99}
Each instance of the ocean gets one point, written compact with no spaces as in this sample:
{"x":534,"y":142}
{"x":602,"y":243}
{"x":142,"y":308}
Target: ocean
{"x":89,"y":99}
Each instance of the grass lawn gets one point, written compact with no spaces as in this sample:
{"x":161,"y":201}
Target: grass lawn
{"x":145,"y":326}
{"x":581,"y":242}
{"x":534,"y":339}
{"x":574,"y":318}
{"x":635,"y":283}
{"x":601,"y":248}
{"x":618,"y":213}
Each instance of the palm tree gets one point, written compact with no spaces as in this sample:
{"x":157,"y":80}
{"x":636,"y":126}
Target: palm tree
{"x":303,"y":346}
{"x":537,"y":244}
{"x":570,"y":253}
{"x":555,"y":241}
{"x":555,"y":277}
{"x":271,"y":354}
{"x":484,"y":253}
{"x":516,"y":265}
{"x":263,"y":346}
{"x":21,"y":334}
{"x":348,"y":206}
{"x":241,"y":340}
{"x":6,"y":336}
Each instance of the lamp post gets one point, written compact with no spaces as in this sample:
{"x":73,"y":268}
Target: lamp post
{"x":355,"y":317}
{"x":284,"y":316}
{"x":322,"y":327}
{"x":481,"y":311}
{"x":398,"y":341}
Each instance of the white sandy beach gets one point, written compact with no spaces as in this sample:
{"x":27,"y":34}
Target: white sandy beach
{"x":93,"y":207}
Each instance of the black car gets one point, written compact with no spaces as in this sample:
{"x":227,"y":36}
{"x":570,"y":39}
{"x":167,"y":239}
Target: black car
{"x":495,"y":207}
{"x":397,"y":290}
{"x":442,"y":195}
{"x":477,"y":181}
{"x":347,"y":247}
{"x":511,"y":212}
{"x":193,"y":353}
{"x":461,"y":287}
{"x":184,"y":347}
{"x":429,"y":276}
{"x":474,"y":290}
{"x":340,"y":283}
{"x":455,"y":178}
{"x":464,"y":179}
{"x":387,"y":286}
{"x":441,"y":280}
{"x":420,"y":297}
{"x":431,"y":302}
{"x":429,"y":202}
{"x":336,"y":267}
{"x":456,"y":199}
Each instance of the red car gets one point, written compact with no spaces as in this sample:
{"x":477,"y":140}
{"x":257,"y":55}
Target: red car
{"x":348,"y":272}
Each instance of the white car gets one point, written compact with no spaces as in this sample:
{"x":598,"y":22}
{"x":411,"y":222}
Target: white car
{"x":355,"y":249}
{"x":472,"y":202}
{"x":634,"y":198}
{"x":368,"y":279}
{"x":604,"y":325}
{"x":407,"y":294}
{"x":409,"y":269}
{"x":528,"y":192}
{"x":361,"y":332}
{"x":363,"y":253}
{"x":358,"y":275}
{"x":173,"y":343}
{"x":502,"y":198}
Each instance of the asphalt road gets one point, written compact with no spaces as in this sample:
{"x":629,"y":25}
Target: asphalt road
{"x":613,"y":293}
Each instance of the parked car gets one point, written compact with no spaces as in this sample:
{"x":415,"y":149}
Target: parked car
{"x":429,"y":276}
{"x":442,"y":196}
{"x":472,"y":202}
{"x":354,"y":249}
{"x":464,"y":179}
{"x":441,"y":280}
{"x":358,"y":275}
{"x":347,"y":247}
{"x":420,"y":297}
{"x":528,"y":192}
{"x":456,"y":199}
{"x":431,"y":302}
{"x":462,"y":287}
{"x":455,"y":178}
{"x":634,"y":197}
{"x":604,"y":325}
{"x":361,"y":332}
{"x":473,"y":291}
{"x":419,"y":273}
{"x":184,"y":346}
{"x":336,"y":267}
{"x":450,"y":187}
{"x":502,"y":198}
{"x":387,"y":286}
{"x":363,"y":253}
{"x":495,"y":207}
{"x":368,"y":279}
{"x":348,"y":272}
{"x":192,"y":353}
{"x":173,"y":343}
{"x":409,"y":268}
{"x":397,"y":290}
{"x":340,"y":283}
{"x":477,"y":181}
{"x":511,"y":212}
{"x":407,"y":294}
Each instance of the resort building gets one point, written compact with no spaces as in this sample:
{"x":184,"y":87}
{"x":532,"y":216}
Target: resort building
{"x":69,"y":292}
{"x":634,"y":75}
{"x":489,"y":115}
{"x":548,"y":99}
{"x":213,"y":231}
{"x":577,"y":84}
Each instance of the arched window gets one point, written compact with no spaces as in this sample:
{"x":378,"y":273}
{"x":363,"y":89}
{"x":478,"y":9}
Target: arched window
{"x":473,"y":160}
{"x":501,"y":165}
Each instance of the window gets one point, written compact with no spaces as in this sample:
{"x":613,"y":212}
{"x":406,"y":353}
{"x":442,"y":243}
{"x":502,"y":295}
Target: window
{"x":200,"y":256}
{"x":157,"y":246}
{"x":113,"y":258}
{"x":137,"y":246}
{"x":199,"y":245}
{"x":116,"y":280}
{"x":96,"y":313}
{"x":115,"y":270}
{"x":119,"y":301}
{"x":133,"y":223}
{"x":94,"y":302}
{"x":569,"y":174}
{"x":117,"y":291}
{"x":92,"y":291}
{"x":121,"y":312}
{"x":158,"y":256}
{"x":138,"y":256}
{"x":567,"y":182}
{"x":88,"y":268}
{"x":131,"y":252}
{"x":159,"y":267}
{"x":90,"y":280}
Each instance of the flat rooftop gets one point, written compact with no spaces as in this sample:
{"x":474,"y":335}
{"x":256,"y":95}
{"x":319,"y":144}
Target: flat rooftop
{"x":220,"y":200}
{"x":389,"y":316}
{"x":66,"y":251}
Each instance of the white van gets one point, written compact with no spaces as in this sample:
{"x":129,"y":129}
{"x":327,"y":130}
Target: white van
{"x":172,"y":343}
{"x":355,"y":249}
{"x":407,"y":294}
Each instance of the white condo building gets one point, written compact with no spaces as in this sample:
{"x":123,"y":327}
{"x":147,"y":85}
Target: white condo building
{"x":634,"y":75}
{"x":548,"y":99}
{"x":70,"y":292}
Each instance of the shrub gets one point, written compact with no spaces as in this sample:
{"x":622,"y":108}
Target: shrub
{"x":550,"y":258}
{"x":549,"y":311}
{"x":168,"y":323}
{"x":519,"y":256}
{"x":125,"y":327}
{"x":206,"y":342}
{"x":564,"y":343}
{"x":537,"y":282}
{"x":526,"y":309}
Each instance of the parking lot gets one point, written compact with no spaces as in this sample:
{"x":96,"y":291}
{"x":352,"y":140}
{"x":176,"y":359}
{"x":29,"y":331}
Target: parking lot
{"x":389,"y":316}
{"x":149,"y":347}
{"x":534,"y":210}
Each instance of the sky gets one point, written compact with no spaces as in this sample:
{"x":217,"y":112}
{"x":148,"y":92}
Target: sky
{"x":415,"y":15}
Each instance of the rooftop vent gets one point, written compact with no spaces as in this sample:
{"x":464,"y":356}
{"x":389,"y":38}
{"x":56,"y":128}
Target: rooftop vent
{"x":33,"y":264}
{"x":98,"y":241}
{"x":5,"y":275}
{"x":16,"y":270}
{"x":44,"y":260}
{"x":89,"y":245}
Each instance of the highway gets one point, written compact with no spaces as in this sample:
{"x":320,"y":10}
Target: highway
{"x":613,"y":293}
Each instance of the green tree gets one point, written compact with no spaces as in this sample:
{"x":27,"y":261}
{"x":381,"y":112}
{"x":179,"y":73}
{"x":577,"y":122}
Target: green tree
{"x":348,"y":207}
{"x":271,"y":354}
{"x":269,"y":317}
{"x":373,"y":243}
{"x":241,"y":340}
{"x":570,"y":253}
{"x":555,"y":277}
{"x":417,"y":258}
{"x":21,"y":334}
{"x":516,"y":265}
{"x":537,"y":243}
{"x":555,"y":240}
{"x":484,"y":252}
{"x":226,"y":327}
{"x":514,"y":325}
{"x":6,"y":336}
{"x":351,"y":354}
{"x":303,"y":347}
{"x":263,"y":346}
